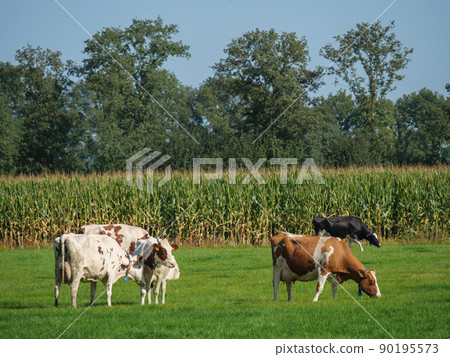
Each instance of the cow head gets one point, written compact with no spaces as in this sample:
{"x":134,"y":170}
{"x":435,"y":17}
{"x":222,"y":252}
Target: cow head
{"x":369,"y":284}
{"x":373,"y":239}
{"x":156,"y":254}
{"x":163,"y":253}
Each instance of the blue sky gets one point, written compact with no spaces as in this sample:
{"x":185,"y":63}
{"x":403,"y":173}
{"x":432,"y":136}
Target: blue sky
{"x":208,"y":26}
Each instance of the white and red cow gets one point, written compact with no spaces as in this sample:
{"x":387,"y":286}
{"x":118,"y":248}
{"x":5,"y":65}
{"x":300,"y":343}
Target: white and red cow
{"x":128,"y":237}
{"x":158,"y":273}
{"x":160,"y":276}
{"x":307,"y":258}
{"x":93,"y":257}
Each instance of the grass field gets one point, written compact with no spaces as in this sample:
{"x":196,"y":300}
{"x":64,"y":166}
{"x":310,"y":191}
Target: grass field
{"x":226,"y":292}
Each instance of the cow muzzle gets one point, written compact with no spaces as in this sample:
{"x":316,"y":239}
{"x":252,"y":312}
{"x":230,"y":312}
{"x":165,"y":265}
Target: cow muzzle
{"x":169,"y":264}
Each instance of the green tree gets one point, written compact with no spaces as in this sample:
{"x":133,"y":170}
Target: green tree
{"x":423,"y":128}
{"x":36,"y":90}
{"x":135,"y":102}
{"x":340,"y":120}
{"x":369,"y":60}
{"x":262,"y":74}
{"x":10,"y":136}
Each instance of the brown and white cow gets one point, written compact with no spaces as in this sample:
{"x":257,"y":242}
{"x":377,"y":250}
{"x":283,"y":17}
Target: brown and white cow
{"x":160,"y":277}
{"x":128,"y":237}
{"x":157,"y":273}
{"x":93,"y":257}
{"x":307,"y":258}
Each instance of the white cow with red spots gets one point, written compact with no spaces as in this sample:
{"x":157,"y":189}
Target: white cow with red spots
{"x":93,"y":257}
{"x":128,"y":237}
{"x":158,"y":274}
{"x":125,"y":235}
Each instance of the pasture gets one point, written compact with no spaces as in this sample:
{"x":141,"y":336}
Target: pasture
{"x":226,"y":292}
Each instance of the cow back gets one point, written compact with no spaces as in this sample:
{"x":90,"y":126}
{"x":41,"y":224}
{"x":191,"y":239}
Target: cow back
{"x":97,"y":255}
{"x":125,"y":235}
{"x":303,"y":255}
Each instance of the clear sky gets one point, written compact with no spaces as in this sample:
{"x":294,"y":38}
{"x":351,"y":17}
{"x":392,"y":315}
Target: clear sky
{"x":208,"y":26}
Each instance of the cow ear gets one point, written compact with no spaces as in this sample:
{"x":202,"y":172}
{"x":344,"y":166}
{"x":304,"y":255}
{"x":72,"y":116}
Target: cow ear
{"x":362,"y":273}
{"x":174,"y":247}
{"x":156,"y":246}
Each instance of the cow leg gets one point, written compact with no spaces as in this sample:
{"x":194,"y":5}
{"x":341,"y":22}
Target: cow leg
{"x":143,"y":289}
{"x":156,"y":290}
{"x":57,"y":291}
{"x":74,"y":290}
{"x":276,"y":281}
{"x":334,"y":285}
{"x":163,"y":291}
{"x":57,"y":286}
{"x":149,"y":295}
{"x":356,"y":241}
{"x":108,"y":292}
{"x":289,"y":290}
{"x":93,"y":292}
{"x":360,"y":245}
{"x":323,"y":275}
{"x":354,"y":235}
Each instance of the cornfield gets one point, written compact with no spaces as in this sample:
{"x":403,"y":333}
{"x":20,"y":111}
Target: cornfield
{"x":406,"y":204}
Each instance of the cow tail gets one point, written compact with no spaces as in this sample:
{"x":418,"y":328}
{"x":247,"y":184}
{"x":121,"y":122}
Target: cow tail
{"x":62,"y":263}
{"x":66,"y":273}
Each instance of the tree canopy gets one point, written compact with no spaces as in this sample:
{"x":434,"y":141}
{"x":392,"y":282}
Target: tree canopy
{"x":369,"y":59}
{"x":60,"y":116}
{"x":262,"y":74}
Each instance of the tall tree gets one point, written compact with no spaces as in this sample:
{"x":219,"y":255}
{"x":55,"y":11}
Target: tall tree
{"x":340,"y":117}
{"x":423,"y":128}
{"x":136,"y":102}
{"x":369,"y":59}
{"x":36,"y":90}
{"x":263,"y":73}
{"x":10,"y":136}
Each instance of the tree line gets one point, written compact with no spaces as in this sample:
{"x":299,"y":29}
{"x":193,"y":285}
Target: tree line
{"x":58,"y":116}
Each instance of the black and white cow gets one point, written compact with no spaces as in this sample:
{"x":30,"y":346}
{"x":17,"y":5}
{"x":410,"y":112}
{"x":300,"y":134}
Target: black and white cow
{"x":346,"y":226}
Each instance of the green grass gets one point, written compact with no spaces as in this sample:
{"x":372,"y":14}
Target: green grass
{"x":227,"y":293}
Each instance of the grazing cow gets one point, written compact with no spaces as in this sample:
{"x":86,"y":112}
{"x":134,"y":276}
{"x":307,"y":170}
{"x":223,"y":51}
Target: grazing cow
{"x":343,"y":227}
{"x":92,"y":258}
{"x":128,"y":237}
{"x":307,"y":258}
